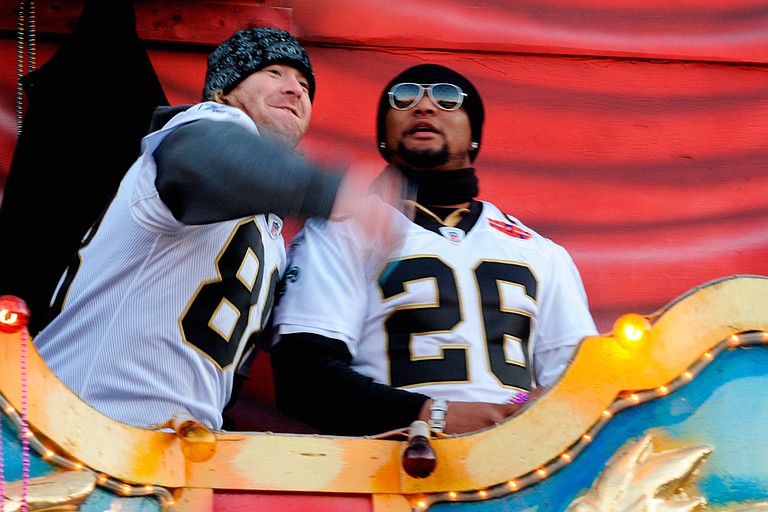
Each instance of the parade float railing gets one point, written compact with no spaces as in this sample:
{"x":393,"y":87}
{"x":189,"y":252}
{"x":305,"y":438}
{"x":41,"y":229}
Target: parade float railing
{"x":648,"y":364}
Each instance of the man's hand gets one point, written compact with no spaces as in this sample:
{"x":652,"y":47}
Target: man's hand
{"x":465,"y":417}
{"x":376,"y":211}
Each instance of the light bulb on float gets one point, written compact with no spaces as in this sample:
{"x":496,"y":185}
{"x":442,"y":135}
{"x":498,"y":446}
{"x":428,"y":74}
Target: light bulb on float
{"x":14,"y":314}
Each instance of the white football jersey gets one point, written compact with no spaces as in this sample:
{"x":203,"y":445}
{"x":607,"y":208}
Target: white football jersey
{"x":475,"y":316}
{"x":155,"y":316}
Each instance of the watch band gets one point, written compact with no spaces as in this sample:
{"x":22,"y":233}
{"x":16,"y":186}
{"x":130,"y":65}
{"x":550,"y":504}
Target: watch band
{"x":437,"y":412}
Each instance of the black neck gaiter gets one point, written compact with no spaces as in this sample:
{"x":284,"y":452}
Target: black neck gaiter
{"x":438,"y":188}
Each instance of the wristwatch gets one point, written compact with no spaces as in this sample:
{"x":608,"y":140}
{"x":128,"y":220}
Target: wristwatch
{"x":437,"y":412}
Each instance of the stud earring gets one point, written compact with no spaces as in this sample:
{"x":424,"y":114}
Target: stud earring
{"x":474,"y":145}
{"x":382,"y":145}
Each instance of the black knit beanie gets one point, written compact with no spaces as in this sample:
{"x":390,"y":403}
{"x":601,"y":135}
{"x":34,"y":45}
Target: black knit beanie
{"x":250,"y":50}
{"x":432,"y":74}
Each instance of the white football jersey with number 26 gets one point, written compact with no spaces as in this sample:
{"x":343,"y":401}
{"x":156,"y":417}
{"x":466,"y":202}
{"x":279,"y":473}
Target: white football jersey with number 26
{"x":476,"y":316}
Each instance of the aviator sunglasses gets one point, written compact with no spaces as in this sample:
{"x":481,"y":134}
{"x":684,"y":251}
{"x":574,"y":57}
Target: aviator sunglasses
{"x":405,"y":96}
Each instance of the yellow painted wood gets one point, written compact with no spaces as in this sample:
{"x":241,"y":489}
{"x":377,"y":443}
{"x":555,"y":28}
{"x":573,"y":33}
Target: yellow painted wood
{"x":601,"y":370}
{"x":390,"y":503}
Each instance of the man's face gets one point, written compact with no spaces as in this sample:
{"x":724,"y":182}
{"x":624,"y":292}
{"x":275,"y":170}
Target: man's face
{"x":277,"y":99}
{"x":427,"y":137}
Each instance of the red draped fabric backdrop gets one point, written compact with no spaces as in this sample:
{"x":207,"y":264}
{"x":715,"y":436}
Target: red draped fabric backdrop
{"x":634,"y":133}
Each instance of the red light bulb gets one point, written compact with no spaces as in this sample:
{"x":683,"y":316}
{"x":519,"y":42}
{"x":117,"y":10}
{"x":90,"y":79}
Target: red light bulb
{"x":14,"y":314}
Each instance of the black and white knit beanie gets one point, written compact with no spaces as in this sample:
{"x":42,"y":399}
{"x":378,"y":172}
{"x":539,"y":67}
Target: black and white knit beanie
{"x":250,"y":50}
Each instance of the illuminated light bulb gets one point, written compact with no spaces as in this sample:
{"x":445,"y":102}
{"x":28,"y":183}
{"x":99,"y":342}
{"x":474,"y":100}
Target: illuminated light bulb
{"x":566,"y":456}
{"x":541,"y":472}
{"x":482,"y":494}
{"x":707,"y":355}
{"x":14,"y":314}
{"x":631,"y":329}
{"x":126,"y":489}
{"x":688,"y":375}
{"x":634,"y":397}
{"x":421,"y":504}
{"x":48,"y":454}
{"x":452,"y":494}
{"x":586,"y":437}
{"x":663,"y":390}
{"x":607,"y":414}
{"x":10,"y":410}
{"x":512,"y":484}
{"x":148,"y":488}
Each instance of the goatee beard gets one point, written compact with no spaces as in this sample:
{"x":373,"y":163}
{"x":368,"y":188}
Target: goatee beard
{"x":423,"y":158}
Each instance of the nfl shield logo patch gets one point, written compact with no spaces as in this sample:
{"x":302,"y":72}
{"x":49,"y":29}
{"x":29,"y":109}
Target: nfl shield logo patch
{"x":453,"y":234}
{"x":275,"y":225}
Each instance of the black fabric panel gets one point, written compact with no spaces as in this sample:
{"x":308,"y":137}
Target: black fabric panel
{"x":88,"y":107}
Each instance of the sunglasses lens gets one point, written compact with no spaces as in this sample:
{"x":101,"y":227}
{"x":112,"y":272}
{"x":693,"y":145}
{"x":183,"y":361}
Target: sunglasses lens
{"x":446,"y":96}
{"x":404,"y":96}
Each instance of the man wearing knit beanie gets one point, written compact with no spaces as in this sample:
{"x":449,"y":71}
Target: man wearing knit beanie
{"x":176,"y":280}
{"x":475,"y":314}
{"x":434,"y":74}
{"x":250,"y":50}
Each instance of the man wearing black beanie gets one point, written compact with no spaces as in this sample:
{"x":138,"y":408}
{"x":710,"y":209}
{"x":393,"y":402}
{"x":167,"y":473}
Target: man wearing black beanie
{"x":474,"y":313}
{"x":174,"y":283}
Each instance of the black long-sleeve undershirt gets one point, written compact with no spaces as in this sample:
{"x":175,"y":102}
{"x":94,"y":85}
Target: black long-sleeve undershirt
{"x":315,"y":384}
{"x":210,"y":171}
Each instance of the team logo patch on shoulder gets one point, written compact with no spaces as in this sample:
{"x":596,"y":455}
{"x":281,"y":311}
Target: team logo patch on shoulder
{"x":275,"y":224}
{"x":453,"y":234}
{"x":510,"y":229}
